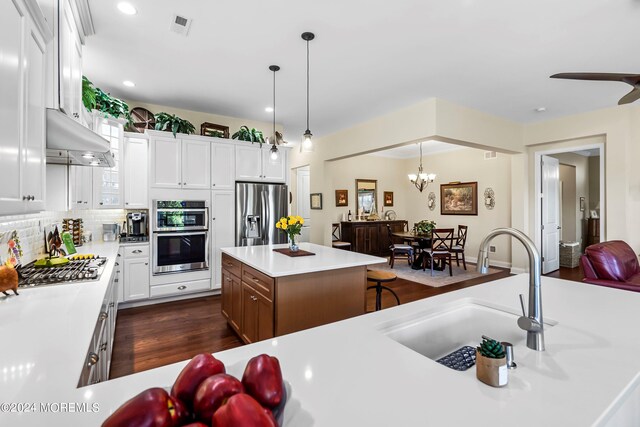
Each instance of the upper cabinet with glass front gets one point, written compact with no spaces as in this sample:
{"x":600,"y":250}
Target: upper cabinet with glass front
{"x":107,"y":182}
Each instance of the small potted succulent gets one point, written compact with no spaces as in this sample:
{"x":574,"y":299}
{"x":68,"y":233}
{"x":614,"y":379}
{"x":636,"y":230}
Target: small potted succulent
{"x":246,"y":134}
{"x":491,"y":363}
{"x":172,"y":123}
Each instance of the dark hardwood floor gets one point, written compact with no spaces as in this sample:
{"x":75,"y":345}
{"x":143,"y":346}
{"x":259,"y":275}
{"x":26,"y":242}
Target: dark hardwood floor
{"x":157,"y":335}
{"x":573,"y":274}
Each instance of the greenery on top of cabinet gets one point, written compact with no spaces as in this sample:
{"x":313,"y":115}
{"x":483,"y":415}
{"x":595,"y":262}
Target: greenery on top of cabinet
{"x":246,"y":134}
{"x":171,"y":122}
{"x":95,"y":98}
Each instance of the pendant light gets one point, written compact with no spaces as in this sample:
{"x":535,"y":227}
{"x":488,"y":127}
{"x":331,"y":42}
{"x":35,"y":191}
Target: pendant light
{"x":307,"y":142}
{"x":274,"y":154}
{"x":421,"y":180}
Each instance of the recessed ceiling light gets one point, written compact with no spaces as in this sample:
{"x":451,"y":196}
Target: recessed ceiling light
{"x":128,"y":83}
{"x":269,"y":109}
{"x":541,"y":109}
{"x":127,"y":8}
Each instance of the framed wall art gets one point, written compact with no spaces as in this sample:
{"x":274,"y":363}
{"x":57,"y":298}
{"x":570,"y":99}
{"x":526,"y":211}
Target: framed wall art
{"x":460,"y":198}
{"x":388,"y":198}
{"x":342,"y":197}
{"x":316,"y":200}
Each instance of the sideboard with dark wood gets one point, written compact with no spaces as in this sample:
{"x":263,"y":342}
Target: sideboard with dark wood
{"x":370,"y":237}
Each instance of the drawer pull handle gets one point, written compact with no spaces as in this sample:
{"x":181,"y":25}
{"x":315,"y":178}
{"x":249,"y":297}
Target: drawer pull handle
{"x":256,"y":280}
{"x":104,"y":315}
{"x":254,"y":298}
{"x":229,"y":264}
{"x":182,"y":288}
{"x":137,"y":251}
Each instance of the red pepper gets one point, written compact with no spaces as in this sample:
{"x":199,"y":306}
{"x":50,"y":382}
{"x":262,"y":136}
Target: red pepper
{"x":151,"y":408}
{"x":262,"y":379}
{"x":242,"y":410}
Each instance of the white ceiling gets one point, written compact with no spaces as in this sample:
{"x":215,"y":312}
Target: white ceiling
{"x":368,"y":58}
{"x":413,"y":150}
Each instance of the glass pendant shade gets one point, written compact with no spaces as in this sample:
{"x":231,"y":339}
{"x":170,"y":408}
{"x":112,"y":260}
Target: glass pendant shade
{"x":307,"y":142}
{"x":274,"y":154}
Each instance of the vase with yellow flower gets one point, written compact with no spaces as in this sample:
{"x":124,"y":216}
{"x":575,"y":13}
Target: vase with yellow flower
{"x":292,"y":225}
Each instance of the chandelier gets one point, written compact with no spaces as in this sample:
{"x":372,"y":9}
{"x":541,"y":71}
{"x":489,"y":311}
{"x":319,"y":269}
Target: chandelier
{"x":421,"y":180}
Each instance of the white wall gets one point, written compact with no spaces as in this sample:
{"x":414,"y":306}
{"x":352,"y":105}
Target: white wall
{"x":342,"y":175}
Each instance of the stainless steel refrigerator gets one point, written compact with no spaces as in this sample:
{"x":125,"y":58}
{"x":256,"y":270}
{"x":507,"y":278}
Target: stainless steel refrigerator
{"x":258,"y":207}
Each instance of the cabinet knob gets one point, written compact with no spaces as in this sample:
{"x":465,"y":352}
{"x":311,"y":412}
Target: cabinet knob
{"x":79,"y":202}
{"x":92,"y":359}
{"x":214,"y":185}
{"x":117,"y":264}
{"x":146,"y":263}
{"x":213,"y":219}
{"x":25,"y":198}
{"x":101,"y":203}
{"x":254,"y":298}
{"x":126,"y":203}
{"x":104,"y":315}
{"x":182,"y":288}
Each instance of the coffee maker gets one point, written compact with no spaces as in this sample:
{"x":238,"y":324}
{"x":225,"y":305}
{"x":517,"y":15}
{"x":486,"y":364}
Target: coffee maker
{"x":137,"y":224}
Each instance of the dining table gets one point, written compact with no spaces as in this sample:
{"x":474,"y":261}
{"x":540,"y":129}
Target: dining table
{"x":424,"y":242}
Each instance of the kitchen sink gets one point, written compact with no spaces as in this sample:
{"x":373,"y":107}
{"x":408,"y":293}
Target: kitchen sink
{"x":438,"y":332}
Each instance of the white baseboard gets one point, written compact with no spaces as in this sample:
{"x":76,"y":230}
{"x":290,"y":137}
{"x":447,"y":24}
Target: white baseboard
{"x":492,"y":263}
{"x":518,"y":270}
{"x":142,"y":303}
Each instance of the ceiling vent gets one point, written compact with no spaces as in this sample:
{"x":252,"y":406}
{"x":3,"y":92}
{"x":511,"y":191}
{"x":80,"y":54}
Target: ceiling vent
{"x":488,"y":155}
{"x":180,"y":25}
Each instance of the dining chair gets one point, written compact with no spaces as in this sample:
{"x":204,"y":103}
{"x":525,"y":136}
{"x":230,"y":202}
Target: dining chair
{"x":398,"y":249}
{"x":458,"y":247}
{"x":336,"y":235}
{"x":440,"y":249}
{"x":411,"y":242}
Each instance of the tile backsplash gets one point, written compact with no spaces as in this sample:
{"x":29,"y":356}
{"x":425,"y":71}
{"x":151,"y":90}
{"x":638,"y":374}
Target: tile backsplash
{"x":30,"y":228}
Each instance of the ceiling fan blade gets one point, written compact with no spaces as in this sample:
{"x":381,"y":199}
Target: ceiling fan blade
{"x":614,"y":77}
{"x":632,"y":96}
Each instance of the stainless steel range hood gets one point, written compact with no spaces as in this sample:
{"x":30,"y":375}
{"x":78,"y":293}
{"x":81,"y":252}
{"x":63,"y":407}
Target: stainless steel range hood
{"x":70,"y":143}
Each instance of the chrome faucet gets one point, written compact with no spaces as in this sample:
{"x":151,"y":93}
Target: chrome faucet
{"x":533,"y":322}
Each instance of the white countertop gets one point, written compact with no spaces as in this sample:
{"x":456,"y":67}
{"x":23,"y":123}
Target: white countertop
{"x":349,"y":374}
{"x":275,"y":264}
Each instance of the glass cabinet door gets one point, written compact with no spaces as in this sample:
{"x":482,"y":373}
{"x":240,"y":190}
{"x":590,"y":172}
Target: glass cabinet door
{"x":107,"y":181}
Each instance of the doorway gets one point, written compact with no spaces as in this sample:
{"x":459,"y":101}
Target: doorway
{"x":570,"y":192}
{"x":302,"y":204}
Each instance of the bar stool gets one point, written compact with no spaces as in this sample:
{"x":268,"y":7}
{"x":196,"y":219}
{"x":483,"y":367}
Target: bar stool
{"x":380,"y":277}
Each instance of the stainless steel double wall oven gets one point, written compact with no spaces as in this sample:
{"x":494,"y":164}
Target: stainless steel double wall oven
{"x":180,"y":236}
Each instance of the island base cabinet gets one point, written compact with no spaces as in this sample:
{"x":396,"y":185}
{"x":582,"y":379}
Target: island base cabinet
{"x":257,"y":316}
{"x":260,"y":307}
{"x":232,"y":300}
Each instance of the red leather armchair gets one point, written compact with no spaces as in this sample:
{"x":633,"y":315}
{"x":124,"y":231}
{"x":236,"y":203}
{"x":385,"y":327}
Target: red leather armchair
{"x":612,"y":264}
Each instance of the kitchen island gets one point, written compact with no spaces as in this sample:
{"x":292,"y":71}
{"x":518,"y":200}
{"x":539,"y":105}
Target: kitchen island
{"x":352,"y":373}
{"x":266,"y":293}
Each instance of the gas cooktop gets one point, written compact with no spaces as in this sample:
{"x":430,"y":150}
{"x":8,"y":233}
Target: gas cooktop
{"x":81,"y":268}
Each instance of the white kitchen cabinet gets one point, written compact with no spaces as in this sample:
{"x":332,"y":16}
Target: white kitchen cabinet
{"x":180,"y":163}
{"x":33,"y":150}
{"x":196,"y":171}
{"x":119,"y":266}
{"x":107,"y":182}
{"x":135,"y":172}
{"x":22,"y":117}
{"x":254,"y":164}
{"x":222,"y":166}
{"x":222,"y":227}
{"x":80,"y":187}
{"x":165,"y":164}
{"x":70,"y":62}
{"x":136,"y":278}
{"x":274,"y":170}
